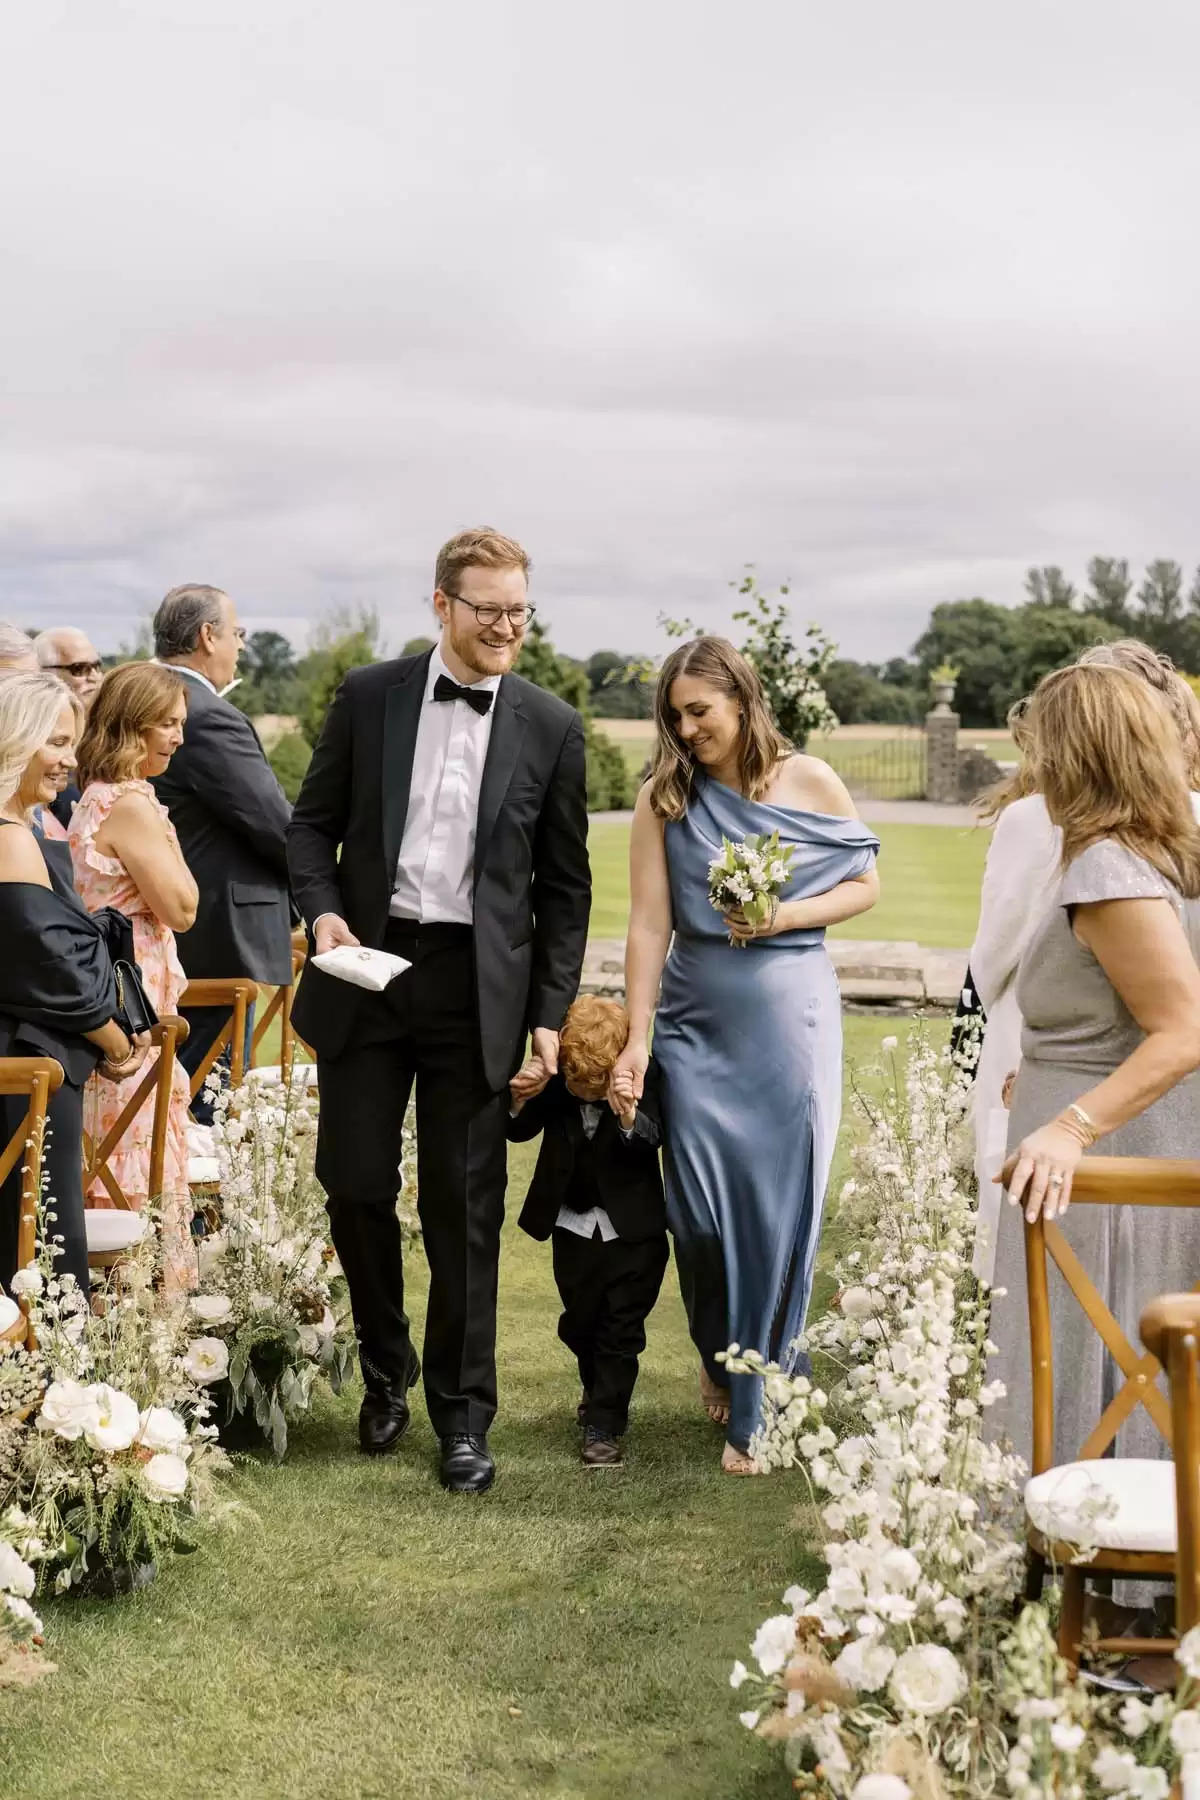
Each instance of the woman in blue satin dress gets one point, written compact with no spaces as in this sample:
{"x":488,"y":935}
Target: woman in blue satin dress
{"x":748,"y":1036}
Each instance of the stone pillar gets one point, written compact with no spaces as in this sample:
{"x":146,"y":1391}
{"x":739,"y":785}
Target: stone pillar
{"x":941,"y":755}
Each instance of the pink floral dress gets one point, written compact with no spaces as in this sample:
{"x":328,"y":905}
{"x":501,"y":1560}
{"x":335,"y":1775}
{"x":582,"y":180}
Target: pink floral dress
{"x":104,"y":881}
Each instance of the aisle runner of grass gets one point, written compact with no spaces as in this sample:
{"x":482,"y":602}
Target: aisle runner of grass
{"x":362,"y":1636}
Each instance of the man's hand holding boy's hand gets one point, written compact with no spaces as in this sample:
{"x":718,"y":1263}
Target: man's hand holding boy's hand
{"x":622,"y":1097}
{"x":529,"y":1080}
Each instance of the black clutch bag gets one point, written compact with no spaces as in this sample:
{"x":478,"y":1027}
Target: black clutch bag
{"x":134,"y":1012}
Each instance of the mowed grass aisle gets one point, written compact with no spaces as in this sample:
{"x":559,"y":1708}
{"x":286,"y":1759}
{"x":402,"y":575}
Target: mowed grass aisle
{"x":362,"y":1636}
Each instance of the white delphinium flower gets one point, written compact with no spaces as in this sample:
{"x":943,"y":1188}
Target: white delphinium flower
{"x":774,"y":1642}
{"x":738,"y":1674}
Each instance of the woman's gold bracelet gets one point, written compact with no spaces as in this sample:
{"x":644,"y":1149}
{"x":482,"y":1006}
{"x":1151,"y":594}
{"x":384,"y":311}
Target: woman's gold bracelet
{"x":1081,"y":1124}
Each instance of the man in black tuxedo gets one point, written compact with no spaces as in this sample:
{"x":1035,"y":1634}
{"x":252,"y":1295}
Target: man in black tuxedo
{"x":456,"y":792}
{"x":230,"y":813}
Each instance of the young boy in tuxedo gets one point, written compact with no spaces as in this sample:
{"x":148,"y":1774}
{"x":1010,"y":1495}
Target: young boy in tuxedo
{"x":597,"y":1192}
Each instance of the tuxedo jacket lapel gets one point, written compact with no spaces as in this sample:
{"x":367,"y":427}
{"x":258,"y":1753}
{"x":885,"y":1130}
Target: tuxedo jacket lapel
{"x":402,"y":715}
{"x":503,"y":755}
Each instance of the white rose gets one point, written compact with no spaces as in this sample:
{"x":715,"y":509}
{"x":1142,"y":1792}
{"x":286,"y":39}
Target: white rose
{"x":211,"y":1309}
{"x":165,"y":1476}
{"x":207,"y":1360}
{"x":774,"y":1642}
{"x":27,"y":1281}
{"x":162,"y":1430}
{"x":926,"y":1680}
{"x":67,"y":1407}
{"x":865,"y":1665}
{"x":882,"y":1787}
{"x":16,"y":1577}
{"x":115,"y":1422}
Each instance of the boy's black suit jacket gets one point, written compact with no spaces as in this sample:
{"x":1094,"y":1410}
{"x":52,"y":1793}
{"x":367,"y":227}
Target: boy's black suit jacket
{"x":610,"y":1170}
{"x":533,"y":885}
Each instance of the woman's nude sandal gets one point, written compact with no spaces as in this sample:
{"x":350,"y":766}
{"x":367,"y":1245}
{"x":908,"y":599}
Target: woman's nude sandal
{"x":736,"y":1462}
{"x":714,"y":1399}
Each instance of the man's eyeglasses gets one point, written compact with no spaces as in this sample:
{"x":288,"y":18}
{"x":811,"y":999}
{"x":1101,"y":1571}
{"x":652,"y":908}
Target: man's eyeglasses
{"x":517,"y":616}
{"x":78,"y":670}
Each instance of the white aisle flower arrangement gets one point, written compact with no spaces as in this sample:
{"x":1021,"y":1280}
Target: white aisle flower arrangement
{"x":271,"y":1317}
{"x":905,"y":1675}
{"x":109,"y":1460}
{"x":21,"y":1660}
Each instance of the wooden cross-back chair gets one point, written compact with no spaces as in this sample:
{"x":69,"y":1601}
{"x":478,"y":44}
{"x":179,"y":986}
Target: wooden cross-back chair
{"x":237,"y":995}
{"x":1170,"y":1329}
{"x":1139,"y":1541}
{"x":109,"y":1235}
{"x":37,"y":1077}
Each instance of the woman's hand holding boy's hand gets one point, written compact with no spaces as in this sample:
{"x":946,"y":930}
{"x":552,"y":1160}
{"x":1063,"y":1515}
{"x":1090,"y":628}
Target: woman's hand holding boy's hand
{"x":622,"y":1096}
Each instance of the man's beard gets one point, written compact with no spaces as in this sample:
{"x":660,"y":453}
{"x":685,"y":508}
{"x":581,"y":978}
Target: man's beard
{"x":483,"y":659}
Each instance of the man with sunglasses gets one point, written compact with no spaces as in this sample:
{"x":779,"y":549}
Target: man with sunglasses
{"x":444,"y":818}
{"x":72,"y":656}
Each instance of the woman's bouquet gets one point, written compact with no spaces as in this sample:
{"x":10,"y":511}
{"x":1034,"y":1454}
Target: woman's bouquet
{"x":748,"y":878}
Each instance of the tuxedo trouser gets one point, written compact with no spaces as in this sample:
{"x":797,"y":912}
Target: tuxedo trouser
{"x":608,"y":1291}
{"x":423,"y":1028}
{"x":62,"y":1183}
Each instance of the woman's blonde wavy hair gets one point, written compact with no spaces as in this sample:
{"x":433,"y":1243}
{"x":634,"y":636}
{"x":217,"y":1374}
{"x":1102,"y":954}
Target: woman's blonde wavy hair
{"x":763,"y":745}
{"x":1108,"y":759}
{"x":30,"y":706}
{"x":132,"y":699}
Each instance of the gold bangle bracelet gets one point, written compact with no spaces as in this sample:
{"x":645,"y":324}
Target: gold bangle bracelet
{"x":1085,"y":1120}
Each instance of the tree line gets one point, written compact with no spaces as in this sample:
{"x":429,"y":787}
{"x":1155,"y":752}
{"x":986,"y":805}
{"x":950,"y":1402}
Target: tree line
{"x":1002,"y":652}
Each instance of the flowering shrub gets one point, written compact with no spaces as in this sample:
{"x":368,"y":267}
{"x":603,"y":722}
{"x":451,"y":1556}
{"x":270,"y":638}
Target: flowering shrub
{"x":791,"y":676}
{"x":905,"y":1674}
{"x":271,"y":1316}
{"x":114,"y":1467}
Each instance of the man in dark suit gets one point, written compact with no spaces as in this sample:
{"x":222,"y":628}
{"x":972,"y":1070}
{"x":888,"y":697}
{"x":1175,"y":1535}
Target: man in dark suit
{"x":71,"y":655}
{"x":456,"y":792}
{"x":230,"y":813}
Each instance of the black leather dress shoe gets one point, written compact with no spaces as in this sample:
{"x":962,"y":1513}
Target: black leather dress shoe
{"x":467,"y":1466}
{"x":384,"y":1416}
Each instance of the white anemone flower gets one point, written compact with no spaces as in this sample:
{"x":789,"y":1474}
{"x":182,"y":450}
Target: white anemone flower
{"x":116,"y":1419}
{"x":67,"y":1406}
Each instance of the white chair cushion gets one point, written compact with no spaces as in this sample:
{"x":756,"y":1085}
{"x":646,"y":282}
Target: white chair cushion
{"x":110,"y":1229}
{"x":203,"y":1170}
{"x":1141,"y":1493}
{"x":10,"y":1312}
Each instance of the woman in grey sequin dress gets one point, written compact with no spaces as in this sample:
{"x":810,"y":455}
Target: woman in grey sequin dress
{"x":1109,"y":991}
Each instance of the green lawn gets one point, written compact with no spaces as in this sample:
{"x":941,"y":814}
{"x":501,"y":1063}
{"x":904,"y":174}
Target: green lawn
{"x":930,"y":877}
{"x":365,"y":1637}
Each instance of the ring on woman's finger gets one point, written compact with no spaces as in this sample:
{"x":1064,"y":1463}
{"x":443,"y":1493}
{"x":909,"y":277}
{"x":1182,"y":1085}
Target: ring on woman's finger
{"x":1056,"y":1180}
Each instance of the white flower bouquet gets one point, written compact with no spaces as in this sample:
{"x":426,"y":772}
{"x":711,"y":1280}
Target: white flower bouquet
{"x":748,"y":878}
{"x":115,"y":1466}
{"x":271,"y":1318}
{"x":904,"y":1675}
{"x":20,"y":1627}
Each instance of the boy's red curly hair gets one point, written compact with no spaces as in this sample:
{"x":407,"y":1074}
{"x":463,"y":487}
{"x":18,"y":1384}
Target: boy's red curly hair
{"x":594,"y":1034}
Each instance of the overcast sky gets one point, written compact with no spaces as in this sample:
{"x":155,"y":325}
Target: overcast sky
{"x":893,"y":299}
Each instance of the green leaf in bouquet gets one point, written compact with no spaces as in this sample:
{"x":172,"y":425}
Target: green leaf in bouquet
{"x":278,"y":1430}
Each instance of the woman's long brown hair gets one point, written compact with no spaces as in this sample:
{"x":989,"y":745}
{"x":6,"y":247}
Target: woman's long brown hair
{"x":131,"y":700}
{"x":1108,"y":759}
{"x":763,"y":745}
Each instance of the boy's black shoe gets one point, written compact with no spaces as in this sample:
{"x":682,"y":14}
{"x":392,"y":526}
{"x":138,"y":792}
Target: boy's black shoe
{"x":600,"y":1451}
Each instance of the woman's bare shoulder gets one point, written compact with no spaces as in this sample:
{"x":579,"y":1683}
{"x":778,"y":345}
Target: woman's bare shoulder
{"x":643,"y":808}
{"x":21,"y":857}
{"x":811,"y":785}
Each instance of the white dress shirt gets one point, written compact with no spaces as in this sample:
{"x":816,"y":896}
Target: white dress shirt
{"x":436,"y":868}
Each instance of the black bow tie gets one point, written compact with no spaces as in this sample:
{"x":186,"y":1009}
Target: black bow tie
{"x":478,"y":698}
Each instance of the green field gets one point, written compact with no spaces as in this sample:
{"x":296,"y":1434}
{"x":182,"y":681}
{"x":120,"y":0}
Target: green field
{"x":363,"y":1636}
{"x":929,"y":875}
